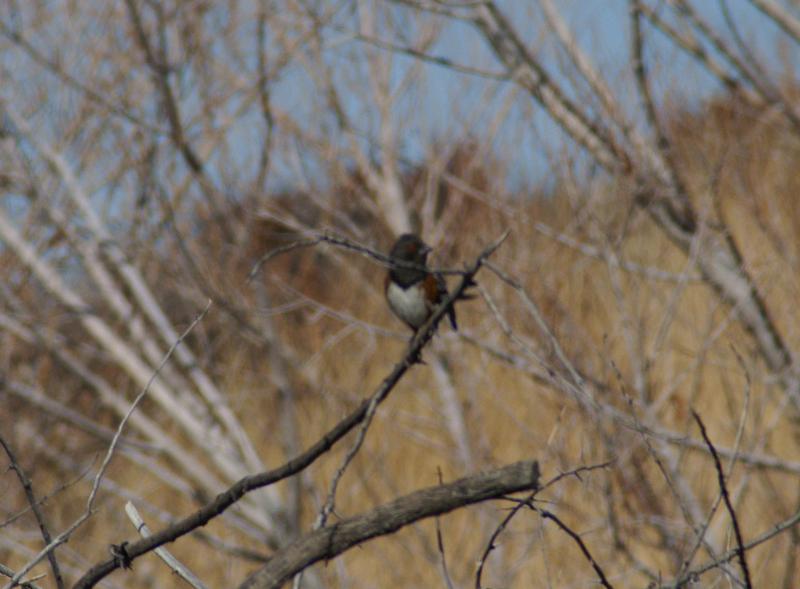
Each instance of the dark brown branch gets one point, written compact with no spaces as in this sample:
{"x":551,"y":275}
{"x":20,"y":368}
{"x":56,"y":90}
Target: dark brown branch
{"x":386,"y":519}
{"x":440,"y":546}
{"x":27,"y":486}
{"x":724,"y":490}
{"x":490,"y":545}
{"x":224,"y":500}
{"x":603,"y":580}
{"x":695,"y":573}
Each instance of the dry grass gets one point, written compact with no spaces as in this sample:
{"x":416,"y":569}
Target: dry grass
{"x":607,"y":319}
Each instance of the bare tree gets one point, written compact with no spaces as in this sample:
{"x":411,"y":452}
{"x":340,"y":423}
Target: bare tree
{"x":196,"y":198}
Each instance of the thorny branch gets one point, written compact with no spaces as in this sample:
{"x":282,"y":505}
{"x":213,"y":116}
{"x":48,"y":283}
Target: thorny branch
{"x":734,"y":552}
{"x":581,"y":544}
{"x":724,"y":490}
{"x":527,"y":502}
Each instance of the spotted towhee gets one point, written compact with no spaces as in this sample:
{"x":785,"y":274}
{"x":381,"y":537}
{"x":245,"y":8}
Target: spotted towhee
{"x":414,"y":293}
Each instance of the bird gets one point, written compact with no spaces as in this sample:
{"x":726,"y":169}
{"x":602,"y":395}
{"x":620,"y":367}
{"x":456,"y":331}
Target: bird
{"x":413,"y":293}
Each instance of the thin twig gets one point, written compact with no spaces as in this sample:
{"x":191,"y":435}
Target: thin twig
{"x":490,"y":545}
{"x":576,"y":472}
{"x":548,"y":515}
{"x":118,"y":434}
{"x":427,"y":57}
{"x":723,"y":488}
{"x":64,"y":536}
{"x":330,"y":501}
{"x":27,"y":486}
{"x":173,"y":563}
{"x":44,"y":499}
{"x":734,"y":553}
{"x":732,"y":461}
{"x":520,"y":503}
{"x":440,"y":546}
{"x":440,"y":541}
{"x":648,"y":104}
{"x":4,"y":570}
{"x":348,"y":244}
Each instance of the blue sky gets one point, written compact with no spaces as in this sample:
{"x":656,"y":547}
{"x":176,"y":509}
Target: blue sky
{"x":449,"y":103}
{"x":445,"y":106}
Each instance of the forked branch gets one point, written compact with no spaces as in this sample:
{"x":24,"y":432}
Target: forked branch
{"x":250,"y":483}
{"x":332,"y":540}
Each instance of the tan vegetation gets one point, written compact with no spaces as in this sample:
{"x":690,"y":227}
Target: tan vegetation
{"x":150,"y":160}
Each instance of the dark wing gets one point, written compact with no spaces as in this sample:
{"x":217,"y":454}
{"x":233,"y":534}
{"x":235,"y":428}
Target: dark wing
{"x":436,"y":291}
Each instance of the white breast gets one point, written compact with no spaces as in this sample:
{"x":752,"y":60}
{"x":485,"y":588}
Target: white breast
{"x":408,"y":303}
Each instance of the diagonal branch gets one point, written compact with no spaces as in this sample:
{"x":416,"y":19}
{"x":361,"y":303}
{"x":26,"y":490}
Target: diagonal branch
{"x":173,"y":563}
{"x":719,"y":260}
{"x":224,"y":500}
{"x":781,"y":16}
{"x":4,"y":570}
{"x":547,"y":515}
{"x":529,"y":74}
{"x":386,"y":519}
{"x":734,"y":552}
{"x":724,"y":490}
{"x":27,"y":486}
{"x":90,"y":501}
{"x":641,"y":74}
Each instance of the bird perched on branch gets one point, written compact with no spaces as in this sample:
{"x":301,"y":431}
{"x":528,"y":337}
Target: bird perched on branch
{"x":413,"y":293}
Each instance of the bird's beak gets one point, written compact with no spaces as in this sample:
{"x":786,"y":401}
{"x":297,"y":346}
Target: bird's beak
{"x":426,"y":249}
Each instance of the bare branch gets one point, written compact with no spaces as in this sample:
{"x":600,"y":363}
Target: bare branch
{"x":527,"y":502}
{"x":173,"y":563}
{"x":643,"y":84}
{"x":224,"y":500}
{"x":121,"y":427}
{"x":436,"y":60}
{"x":490,"y":545}
{"x":4,"y":570}
{"x":64,"y":536}
{"x":27,"y":486}
{"x":440,"y":546}
{"x":335,"y":539}
{"x":726,"y":497}
{"x":548,"y":515}
{"x":689,"y":43}
{"x":783,"y":18}
{"x":734,"y":553}
{"x":529,"y":74}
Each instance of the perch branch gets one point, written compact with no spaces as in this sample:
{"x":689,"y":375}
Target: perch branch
{"x":250,"y":483}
